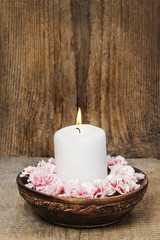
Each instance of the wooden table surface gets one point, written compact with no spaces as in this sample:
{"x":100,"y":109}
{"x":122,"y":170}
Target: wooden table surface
{"x":17,"y":221}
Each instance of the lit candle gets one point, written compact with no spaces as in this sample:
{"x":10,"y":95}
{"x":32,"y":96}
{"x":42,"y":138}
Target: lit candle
{"x":80,"y":152}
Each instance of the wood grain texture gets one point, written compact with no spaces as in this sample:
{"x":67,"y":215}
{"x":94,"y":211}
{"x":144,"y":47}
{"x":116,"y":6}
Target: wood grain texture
{"x":101,"y":55}
{"x":18,"y":221}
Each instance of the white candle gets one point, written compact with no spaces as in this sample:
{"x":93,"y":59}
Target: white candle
{"x":80,"y":153}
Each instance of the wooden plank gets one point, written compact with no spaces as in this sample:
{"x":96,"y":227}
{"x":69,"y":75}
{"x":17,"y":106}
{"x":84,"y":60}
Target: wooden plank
{"x":102,"y":55}
{"x":17,"y":220}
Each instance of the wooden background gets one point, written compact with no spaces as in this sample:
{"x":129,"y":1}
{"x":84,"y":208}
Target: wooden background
{"x":101,"y":55}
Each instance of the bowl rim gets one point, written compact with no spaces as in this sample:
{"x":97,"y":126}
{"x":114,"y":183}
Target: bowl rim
{"x":144,"y":184}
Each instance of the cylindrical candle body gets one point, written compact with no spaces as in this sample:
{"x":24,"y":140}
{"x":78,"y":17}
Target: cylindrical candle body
{"x":80,"y":153}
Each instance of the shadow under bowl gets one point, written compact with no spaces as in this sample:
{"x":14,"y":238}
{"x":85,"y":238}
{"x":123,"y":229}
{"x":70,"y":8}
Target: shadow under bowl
{"x":81,"y":212}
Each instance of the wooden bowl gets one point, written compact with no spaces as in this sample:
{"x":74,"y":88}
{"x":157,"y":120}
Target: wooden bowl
{"x":80,"y":212}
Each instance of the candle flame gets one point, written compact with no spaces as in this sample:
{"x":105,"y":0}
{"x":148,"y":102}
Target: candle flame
{"x":79,"y":117}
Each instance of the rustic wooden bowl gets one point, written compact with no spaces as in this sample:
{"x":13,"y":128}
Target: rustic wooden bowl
{"x":79,"y":212}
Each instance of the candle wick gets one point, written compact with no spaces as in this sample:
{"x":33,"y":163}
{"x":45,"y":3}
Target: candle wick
{"x":78,"y":130}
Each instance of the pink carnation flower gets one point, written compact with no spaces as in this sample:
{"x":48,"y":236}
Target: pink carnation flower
{"x":89,"y":190}
{"x":122,"y":179}
{"x":111,"y":161}
{"x":105,"y":187}
{"x":41,"y":176}
{"x":52,"y":161}
{"x":54,"y":188}
{"x":73,"y":188}
{"x":27,"y":171}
